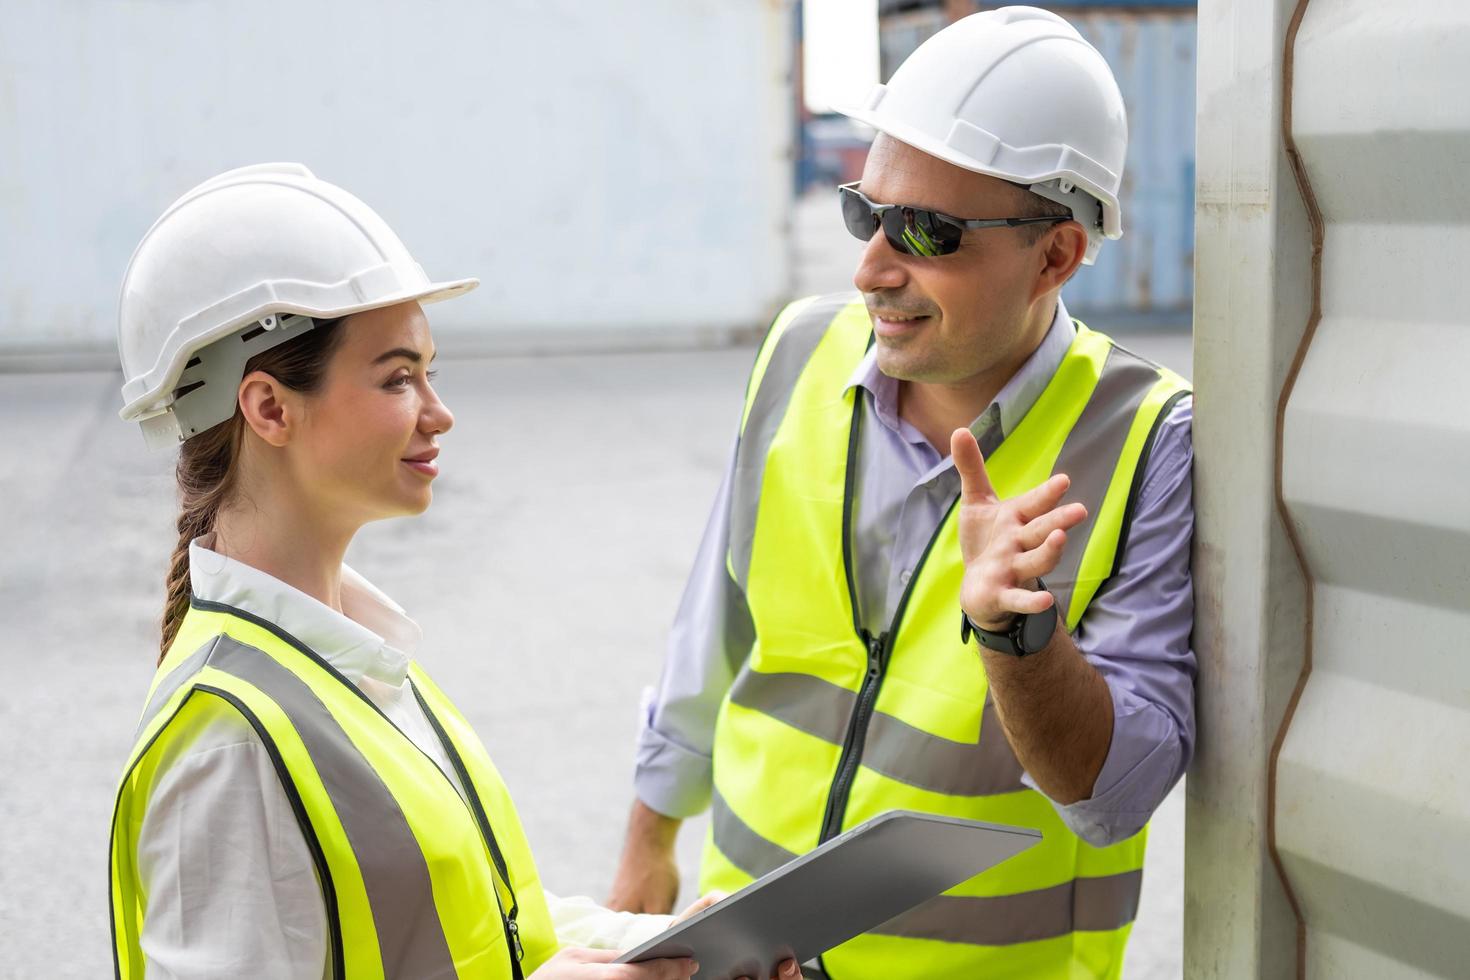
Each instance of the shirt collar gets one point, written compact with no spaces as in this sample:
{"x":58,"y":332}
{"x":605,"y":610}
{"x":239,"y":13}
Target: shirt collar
{"x":1012,"y":402}
{"x":372,"y":637}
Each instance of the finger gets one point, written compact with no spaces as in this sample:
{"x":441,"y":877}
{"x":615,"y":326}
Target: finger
{"x":1040,"y":561}
{"x":975,"y":485}
{"x":1024,"y":601}
{"x":670,"y":969}
{"x":1062,"y":518}
{"x":787,"y":970}
{"x":1041,"y":498}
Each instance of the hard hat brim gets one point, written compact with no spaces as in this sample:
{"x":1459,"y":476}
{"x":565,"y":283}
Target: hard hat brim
{"x":149,"y":394}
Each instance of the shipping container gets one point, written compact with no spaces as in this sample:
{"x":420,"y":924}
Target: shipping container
{"x":1148,"y":274}
{"x":615,"y":173}
{"x":1329,"y":804}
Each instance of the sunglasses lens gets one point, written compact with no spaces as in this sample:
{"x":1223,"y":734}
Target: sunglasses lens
{"x":920,"y":232}
{"x":857,"y":215}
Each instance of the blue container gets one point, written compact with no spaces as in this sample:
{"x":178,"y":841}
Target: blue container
{"x":1149,"y":273}
{"x":1151,"y":268}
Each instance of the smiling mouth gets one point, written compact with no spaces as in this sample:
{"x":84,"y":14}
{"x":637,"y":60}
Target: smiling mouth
{"x":896,"y":324}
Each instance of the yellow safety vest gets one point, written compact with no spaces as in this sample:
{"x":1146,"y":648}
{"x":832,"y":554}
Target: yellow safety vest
{"x":417,"y":881}
{"x":826,"y":726}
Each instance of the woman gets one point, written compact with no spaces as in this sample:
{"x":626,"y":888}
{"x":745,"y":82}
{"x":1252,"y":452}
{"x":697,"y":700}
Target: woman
{"x":301,"y":800}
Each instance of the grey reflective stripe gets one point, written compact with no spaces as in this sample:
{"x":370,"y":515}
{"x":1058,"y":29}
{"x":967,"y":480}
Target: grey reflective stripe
{"x":394,"y":871}
{"x":1091,"y":453}
{"x":1079,"y":905}
{"x":788,"y":359}
{"x":914,"y":757}
{"x":747,"y":850}
{"x":176,"y":679}
{"x":893,"y":747}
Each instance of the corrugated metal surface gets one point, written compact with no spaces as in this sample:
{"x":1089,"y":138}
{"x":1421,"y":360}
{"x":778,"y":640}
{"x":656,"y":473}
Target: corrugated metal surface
{"x":640,"y":185}
{"x":1373,"y":795}
{"x":1151,"y":267}
{"x":1364,"y":614}
{"x":1152,"y":54}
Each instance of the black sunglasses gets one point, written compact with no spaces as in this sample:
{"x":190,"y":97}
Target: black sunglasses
{"x":917,"y":231}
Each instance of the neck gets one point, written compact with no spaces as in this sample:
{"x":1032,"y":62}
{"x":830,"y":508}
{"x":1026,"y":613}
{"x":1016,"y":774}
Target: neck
{"x":936,"y":409}
{"x":286,"y":541}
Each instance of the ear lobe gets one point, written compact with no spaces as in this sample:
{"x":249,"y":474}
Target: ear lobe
{"x":263,"y":403}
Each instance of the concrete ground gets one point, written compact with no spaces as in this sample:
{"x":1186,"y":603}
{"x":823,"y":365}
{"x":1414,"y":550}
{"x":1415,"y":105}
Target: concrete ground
{"x":545,"y":574}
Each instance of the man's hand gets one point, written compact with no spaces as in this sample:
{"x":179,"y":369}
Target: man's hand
{"x":647,"y":879}
{"x":1007,"y":544}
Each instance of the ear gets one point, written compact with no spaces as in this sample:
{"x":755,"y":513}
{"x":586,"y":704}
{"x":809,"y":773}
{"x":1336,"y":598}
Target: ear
{"x":270,"y":408}
{"x":1061,"y":251}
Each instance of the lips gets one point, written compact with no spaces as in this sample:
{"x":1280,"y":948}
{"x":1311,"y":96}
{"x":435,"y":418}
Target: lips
{"x":424,"y":463}
{"x":894,"y":323}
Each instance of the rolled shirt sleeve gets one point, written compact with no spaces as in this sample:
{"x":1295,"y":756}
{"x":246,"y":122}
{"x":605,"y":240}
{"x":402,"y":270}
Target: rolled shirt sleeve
{"x":1136,"y":633}
{"x":579,"y":921}
{"x":711,"y":637}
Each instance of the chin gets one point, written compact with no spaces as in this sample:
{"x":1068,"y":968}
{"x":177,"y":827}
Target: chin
{"x":902,"y":364}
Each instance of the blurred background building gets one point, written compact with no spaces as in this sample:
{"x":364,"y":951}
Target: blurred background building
{"x":616,"y":174}
{"x":670,"y":188}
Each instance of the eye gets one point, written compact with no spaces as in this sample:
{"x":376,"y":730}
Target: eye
{"x":399,"y":381}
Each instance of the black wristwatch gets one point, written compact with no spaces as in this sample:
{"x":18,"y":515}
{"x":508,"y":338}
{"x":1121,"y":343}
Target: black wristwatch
{"x":1027,"y":634}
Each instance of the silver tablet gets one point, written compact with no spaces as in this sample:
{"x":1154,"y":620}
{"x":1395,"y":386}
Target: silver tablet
{"x":850,"y":884}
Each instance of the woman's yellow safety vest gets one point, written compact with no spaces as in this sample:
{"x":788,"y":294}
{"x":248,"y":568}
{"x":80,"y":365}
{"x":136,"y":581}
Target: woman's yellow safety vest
{"x":827,"y":725}
{"x":417,"y":881}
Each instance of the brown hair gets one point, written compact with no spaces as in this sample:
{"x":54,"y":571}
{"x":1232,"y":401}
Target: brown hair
{"x":1033,"y":205}
{"x":208,"y":462}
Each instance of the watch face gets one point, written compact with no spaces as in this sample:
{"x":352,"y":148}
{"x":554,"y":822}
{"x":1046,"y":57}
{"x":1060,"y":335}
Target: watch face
{"x":1037,"y":629}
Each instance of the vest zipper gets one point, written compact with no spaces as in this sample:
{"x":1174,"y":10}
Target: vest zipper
{"x":857,"y":730}
{"x":507,"y":918}
{"x":880,"y":648}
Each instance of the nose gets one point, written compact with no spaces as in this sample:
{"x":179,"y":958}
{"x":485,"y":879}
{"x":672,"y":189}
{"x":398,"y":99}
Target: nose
{"x":435,"y":418}
{"x":880,"y":266}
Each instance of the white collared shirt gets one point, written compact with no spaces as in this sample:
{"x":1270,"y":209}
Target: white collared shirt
{"x":231,"y":887}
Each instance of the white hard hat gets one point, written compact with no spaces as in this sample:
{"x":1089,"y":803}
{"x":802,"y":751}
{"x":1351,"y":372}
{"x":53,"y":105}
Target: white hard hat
{"x":1015,"y":93}
{"x":207,"y":288}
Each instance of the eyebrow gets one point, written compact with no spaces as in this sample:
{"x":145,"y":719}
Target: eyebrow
{"x":405,"y":353}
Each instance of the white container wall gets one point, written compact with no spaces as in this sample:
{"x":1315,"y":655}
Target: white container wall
{"x":611,"y":171}
{"x":1342,"y":640}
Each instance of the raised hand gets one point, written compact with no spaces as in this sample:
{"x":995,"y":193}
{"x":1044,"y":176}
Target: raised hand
{"x":1007,"y":544}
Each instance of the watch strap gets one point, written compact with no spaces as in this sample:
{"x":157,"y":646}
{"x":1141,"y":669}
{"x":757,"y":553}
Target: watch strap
{"x":1011,"y":641}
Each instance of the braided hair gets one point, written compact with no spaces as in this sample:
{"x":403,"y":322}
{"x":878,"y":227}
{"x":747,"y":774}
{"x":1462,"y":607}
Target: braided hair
{"x":208,"y":464}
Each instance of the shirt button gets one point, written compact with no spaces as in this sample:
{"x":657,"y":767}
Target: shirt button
{"x":905,"y":576}
{"x":931,"y":484}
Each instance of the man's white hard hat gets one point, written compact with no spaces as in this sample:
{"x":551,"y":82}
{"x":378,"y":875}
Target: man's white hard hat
{"x":238,"y":265}
{"x":1015,"y":93}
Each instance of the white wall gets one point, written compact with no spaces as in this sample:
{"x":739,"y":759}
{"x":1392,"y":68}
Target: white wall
{"x":608,"y":169}
{"x":1331,"y":629}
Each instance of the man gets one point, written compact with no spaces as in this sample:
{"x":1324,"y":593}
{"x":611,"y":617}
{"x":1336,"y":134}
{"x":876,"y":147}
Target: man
{"x":820,"y":670}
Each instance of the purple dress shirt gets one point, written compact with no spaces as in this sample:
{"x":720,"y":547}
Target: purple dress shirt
{"x":1136,"y":631}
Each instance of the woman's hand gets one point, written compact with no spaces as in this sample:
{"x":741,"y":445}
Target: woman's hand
{"x":785,"y":970}
{"x":574,"y":963}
